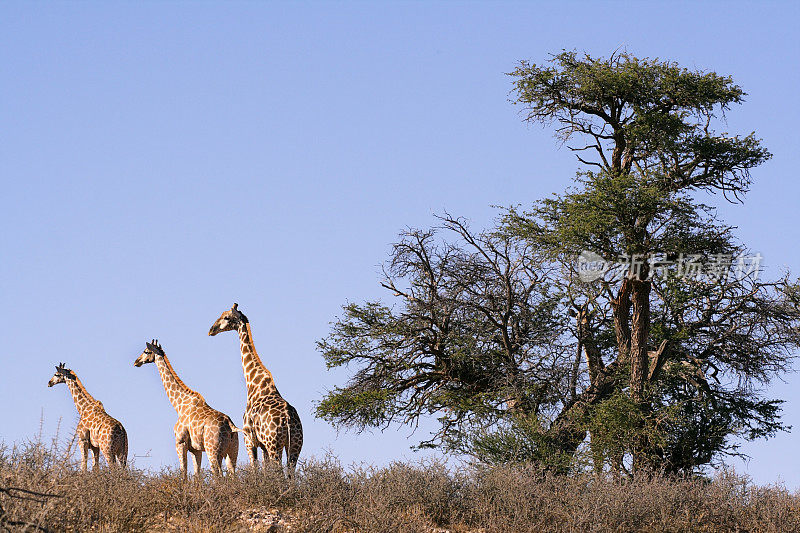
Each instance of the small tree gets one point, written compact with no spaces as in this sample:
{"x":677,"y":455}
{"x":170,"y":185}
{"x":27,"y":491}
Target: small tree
{"x":475,"y":339}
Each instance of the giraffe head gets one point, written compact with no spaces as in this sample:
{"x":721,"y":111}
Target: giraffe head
{"x":61,"y":376}
{"x":230,"y":319}
{"x":151,"y":351}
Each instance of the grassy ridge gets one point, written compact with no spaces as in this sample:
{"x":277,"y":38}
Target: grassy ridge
{"x":402,"y":497}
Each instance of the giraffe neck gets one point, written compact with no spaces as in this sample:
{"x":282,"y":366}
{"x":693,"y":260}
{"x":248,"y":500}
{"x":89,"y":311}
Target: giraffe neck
{"x":84,"y":401}
{"x":178,"y":393}
{"x":257,"y":377}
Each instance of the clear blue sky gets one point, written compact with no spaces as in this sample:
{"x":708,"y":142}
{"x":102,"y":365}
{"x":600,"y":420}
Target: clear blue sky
{"x":161,"y":161}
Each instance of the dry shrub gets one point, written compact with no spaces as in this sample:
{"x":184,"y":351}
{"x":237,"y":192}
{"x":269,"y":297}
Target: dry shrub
{"x":401,"y":497}
{"x":398,"y":498}
{"x":518,"y":499}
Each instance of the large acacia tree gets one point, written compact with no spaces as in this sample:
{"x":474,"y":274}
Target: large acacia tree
{"x":659,"y":362}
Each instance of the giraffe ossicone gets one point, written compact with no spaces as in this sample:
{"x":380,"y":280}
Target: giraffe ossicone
{"x":97,"y":430}
{"x":270,"y":422}
{"x":199,"y":428}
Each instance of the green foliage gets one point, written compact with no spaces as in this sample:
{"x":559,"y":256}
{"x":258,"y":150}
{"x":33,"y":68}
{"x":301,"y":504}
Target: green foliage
{"x":495,"y":335}
{"x":360,"y":408}
{"x":617,"y":426}
{"x":642,"y":115}
{"x":650,"y":125}
{"x":475,"y":335}
{"x":695,"y":429}
{"x":605,"y":214}
{"x":522,"y":440}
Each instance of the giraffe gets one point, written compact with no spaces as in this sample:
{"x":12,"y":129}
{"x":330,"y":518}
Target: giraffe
{"x":199,"y":428}
{"x":97,"y":430}
{"x":270,"y":422}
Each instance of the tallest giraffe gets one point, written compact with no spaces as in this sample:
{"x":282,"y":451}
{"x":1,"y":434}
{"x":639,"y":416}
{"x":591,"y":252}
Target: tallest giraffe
{"x":270,"y":422}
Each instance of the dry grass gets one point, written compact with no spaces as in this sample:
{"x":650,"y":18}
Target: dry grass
{"x":398,"y":498}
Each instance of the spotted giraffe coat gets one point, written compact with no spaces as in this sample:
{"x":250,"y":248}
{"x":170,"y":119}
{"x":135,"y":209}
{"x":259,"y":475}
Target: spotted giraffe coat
{"x":199,"y":428}
{"x":270,"y":422}
{"x":97,"y":430}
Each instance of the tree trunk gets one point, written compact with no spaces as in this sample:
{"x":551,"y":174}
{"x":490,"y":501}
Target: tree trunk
{"x":640,"y":333}
{"x":622,"y":316}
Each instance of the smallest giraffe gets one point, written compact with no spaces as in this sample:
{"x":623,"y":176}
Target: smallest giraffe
{"x":97,"y":430}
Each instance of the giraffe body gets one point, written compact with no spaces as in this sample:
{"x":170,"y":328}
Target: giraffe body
{"x":274,"y":426}
{"x":199,"y":427}
{"x":97,"y":431}
{"x":270,"y":422}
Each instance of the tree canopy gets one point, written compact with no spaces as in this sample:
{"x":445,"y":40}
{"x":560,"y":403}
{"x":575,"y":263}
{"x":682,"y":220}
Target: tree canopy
{"x":658,"y":359}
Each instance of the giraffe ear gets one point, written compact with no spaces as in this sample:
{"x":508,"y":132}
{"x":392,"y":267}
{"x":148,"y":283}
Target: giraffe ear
{"x":235,"y":307}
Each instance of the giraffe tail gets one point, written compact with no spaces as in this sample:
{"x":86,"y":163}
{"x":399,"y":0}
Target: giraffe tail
{"x":236,"y":429}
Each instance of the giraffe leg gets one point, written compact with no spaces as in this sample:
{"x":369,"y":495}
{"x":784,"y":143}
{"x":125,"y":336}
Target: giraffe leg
{"x":123,"y":457}
{"x":252,"y":450}
{"x":272,"y":455}
{"x":233,"y":453}
{"x":295,"y":443}
{"x":252,"y":455}
{"x":198,"y":460}
{"x":111,"y":459}
{"x":281,"y":443}
{"x":84,"y":454}
{"x":215,"y":458}
{"x":181,"y":448}
{"x":119,"y":445}
{"x":107,"y":449}
{"x":215,"y":453}
{"x":96,"y":455}
{"x":265,"y":456}
{"x":292,"y":454}
{"x":215,"y":438}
